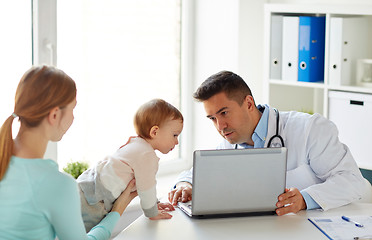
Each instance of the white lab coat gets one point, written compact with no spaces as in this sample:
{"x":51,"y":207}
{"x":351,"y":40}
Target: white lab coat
{"x":317,"y":162}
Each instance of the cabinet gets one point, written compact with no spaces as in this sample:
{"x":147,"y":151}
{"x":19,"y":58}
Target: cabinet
{"x":347,"y":46}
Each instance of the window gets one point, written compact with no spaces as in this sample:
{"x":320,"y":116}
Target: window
{"x":15,"y":50}
{"x":121,"y":54}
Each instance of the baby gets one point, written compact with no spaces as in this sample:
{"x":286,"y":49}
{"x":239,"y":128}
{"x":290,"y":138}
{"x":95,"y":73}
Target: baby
{"x":158,"y":125}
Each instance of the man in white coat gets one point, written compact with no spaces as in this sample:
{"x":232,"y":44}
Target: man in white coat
{"x":321,"y":172}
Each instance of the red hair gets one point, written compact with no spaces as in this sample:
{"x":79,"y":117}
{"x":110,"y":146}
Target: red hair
{"x":154,"y":113}
{"x":40,"y":90}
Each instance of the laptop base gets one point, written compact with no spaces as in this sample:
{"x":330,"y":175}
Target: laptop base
{"x":229,"y":215}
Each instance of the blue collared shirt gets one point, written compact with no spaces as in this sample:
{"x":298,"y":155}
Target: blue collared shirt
{"x":260,"y":132}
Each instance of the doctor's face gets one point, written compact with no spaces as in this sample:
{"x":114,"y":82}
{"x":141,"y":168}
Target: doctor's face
{"x":232,"y":121}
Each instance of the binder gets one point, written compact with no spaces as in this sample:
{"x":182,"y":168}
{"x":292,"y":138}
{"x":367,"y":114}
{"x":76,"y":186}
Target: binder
{"x":335,"y":53}
{"x":276,"y":47}
{"x":346,"y":35}
{"x":290,"y":48}
{"x":311,"y":43}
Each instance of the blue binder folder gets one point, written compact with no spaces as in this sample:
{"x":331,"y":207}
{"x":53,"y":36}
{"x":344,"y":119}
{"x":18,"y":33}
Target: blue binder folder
{"x":311,"y":44}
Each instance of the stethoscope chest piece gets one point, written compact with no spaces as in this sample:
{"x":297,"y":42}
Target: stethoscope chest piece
{"x":277,"y":144}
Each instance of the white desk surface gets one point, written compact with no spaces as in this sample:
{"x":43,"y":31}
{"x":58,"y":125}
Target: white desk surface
{"x":291,"y":226}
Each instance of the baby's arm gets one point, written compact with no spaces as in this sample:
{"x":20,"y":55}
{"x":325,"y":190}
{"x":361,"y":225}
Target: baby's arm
{"x":145,"y":173}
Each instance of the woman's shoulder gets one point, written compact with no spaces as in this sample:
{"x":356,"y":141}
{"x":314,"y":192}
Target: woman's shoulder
{"x":45,"y":172}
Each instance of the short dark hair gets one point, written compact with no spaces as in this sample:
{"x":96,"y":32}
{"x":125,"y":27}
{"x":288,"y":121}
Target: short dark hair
{"x":228,"y":82}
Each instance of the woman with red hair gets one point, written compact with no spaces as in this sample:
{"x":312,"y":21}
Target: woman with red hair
{"x":36,"y":200}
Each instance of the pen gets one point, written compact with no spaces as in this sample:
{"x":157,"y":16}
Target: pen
{"x":349,"y":220}
{"x":362,"y":238}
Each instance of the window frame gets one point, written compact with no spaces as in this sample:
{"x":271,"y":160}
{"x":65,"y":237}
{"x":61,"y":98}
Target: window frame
{"x":44,"y":52}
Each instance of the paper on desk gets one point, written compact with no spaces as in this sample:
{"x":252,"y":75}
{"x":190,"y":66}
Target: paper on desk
{"x":335,"y":228}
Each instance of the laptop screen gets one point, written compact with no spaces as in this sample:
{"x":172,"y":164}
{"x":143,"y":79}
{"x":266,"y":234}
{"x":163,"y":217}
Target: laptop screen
{"x":238,"y":180}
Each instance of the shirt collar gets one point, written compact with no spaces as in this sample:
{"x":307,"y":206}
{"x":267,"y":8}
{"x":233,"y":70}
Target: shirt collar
{"x":260,"y":132}
{"x":261,"y":129}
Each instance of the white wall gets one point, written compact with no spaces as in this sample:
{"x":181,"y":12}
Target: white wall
{"x":229,"y":36}
{"x":216,"y":44}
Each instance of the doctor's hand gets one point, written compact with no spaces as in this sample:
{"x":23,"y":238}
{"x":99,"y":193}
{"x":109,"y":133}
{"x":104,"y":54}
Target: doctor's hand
{"x":291,"y":201}
{"x":182,"y":193}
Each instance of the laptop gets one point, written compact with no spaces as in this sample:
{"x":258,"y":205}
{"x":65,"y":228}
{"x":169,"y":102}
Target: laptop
{"x":236,"y":182}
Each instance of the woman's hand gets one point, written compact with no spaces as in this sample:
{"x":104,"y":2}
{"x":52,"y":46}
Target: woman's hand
{"x":125,"y":198}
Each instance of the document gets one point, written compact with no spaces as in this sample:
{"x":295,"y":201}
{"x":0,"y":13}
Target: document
{"x":335,"y":53}
{"x":337,"y":228}
{"x":290,"y":48}
{"x":344,"y":48}
{"x":276,"y":47}
{"x":311,"y":49}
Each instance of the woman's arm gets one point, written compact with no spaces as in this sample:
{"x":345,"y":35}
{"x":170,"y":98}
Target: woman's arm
{"x":59,"y":199}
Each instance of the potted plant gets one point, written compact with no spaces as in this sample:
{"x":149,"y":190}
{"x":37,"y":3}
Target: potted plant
{"x":76,"y":168}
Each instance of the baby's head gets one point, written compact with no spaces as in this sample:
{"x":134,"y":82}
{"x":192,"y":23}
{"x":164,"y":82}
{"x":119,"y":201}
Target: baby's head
{"x":159,"y":123}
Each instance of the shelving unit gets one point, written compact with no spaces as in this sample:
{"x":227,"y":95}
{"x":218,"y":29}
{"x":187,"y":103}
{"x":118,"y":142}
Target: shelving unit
{"x":315,"y":97}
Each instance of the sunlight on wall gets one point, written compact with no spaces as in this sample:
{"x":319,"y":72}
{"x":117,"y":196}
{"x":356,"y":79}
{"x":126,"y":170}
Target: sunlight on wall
{"x":121,"y":54}
{"x":15,"y":50}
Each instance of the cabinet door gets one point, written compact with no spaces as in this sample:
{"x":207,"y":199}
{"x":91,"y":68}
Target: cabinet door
{"x":352,"y":113}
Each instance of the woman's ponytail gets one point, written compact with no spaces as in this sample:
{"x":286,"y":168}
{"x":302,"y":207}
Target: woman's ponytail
{"x":6,"y":145}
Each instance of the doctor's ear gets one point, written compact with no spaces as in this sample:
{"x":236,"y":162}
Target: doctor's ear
{"x":250,"y":102}
{"x":154,"y":131}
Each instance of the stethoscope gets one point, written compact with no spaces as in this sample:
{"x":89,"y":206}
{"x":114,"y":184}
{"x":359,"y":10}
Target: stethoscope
{"x":274,"y":136}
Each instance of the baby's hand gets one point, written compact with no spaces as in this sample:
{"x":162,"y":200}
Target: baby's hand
{"x":165,"y":206}
{"x":162,"y":215}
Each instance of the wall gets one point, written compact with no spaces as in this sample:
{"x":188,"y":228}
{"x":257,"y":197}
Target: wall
{"x":229,"y":36}
{"x":216,"y":40}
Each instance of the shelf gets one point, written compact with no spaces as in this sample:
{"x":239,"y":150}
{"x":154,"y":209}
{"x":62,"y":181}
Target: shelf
{"x":339,"y":9}
{"x":297,"y":84}
{"x":350,"y":25}
{"x":321,"y":85}
{"x":357,"y":89}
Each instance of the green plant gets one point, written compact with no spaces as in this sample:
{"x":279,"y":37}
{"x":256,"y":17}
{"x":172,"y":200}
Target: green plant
{"x":76,"y":168}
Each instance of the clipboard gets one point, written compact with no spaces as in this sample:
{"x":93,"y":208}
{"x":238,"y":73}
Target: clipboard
{"x":335,"y":228}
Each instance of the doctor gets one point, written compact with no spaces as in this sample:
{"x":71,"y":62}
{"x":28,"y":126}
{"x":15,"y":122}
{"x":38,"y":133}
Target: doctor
{"x":321,"y":172}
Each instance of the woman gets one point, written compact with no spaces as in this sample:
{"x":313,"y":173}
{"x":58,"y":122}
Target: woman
{"x":36,"y":200}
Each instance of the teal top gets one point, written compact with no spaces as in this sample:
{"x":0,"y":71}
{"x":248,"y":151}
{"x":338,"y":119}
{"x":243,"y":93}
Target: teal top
{"x":37,"y":201}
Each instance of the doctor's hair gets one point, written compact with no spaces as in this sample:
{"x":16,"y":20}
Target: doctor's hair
{"x":154,"y":113}
{"x":40,"y":89}
{"x":228,"y":82}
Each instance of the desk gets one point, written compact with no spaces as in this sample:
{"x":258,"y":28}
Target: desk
{"x":291,"y":226}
